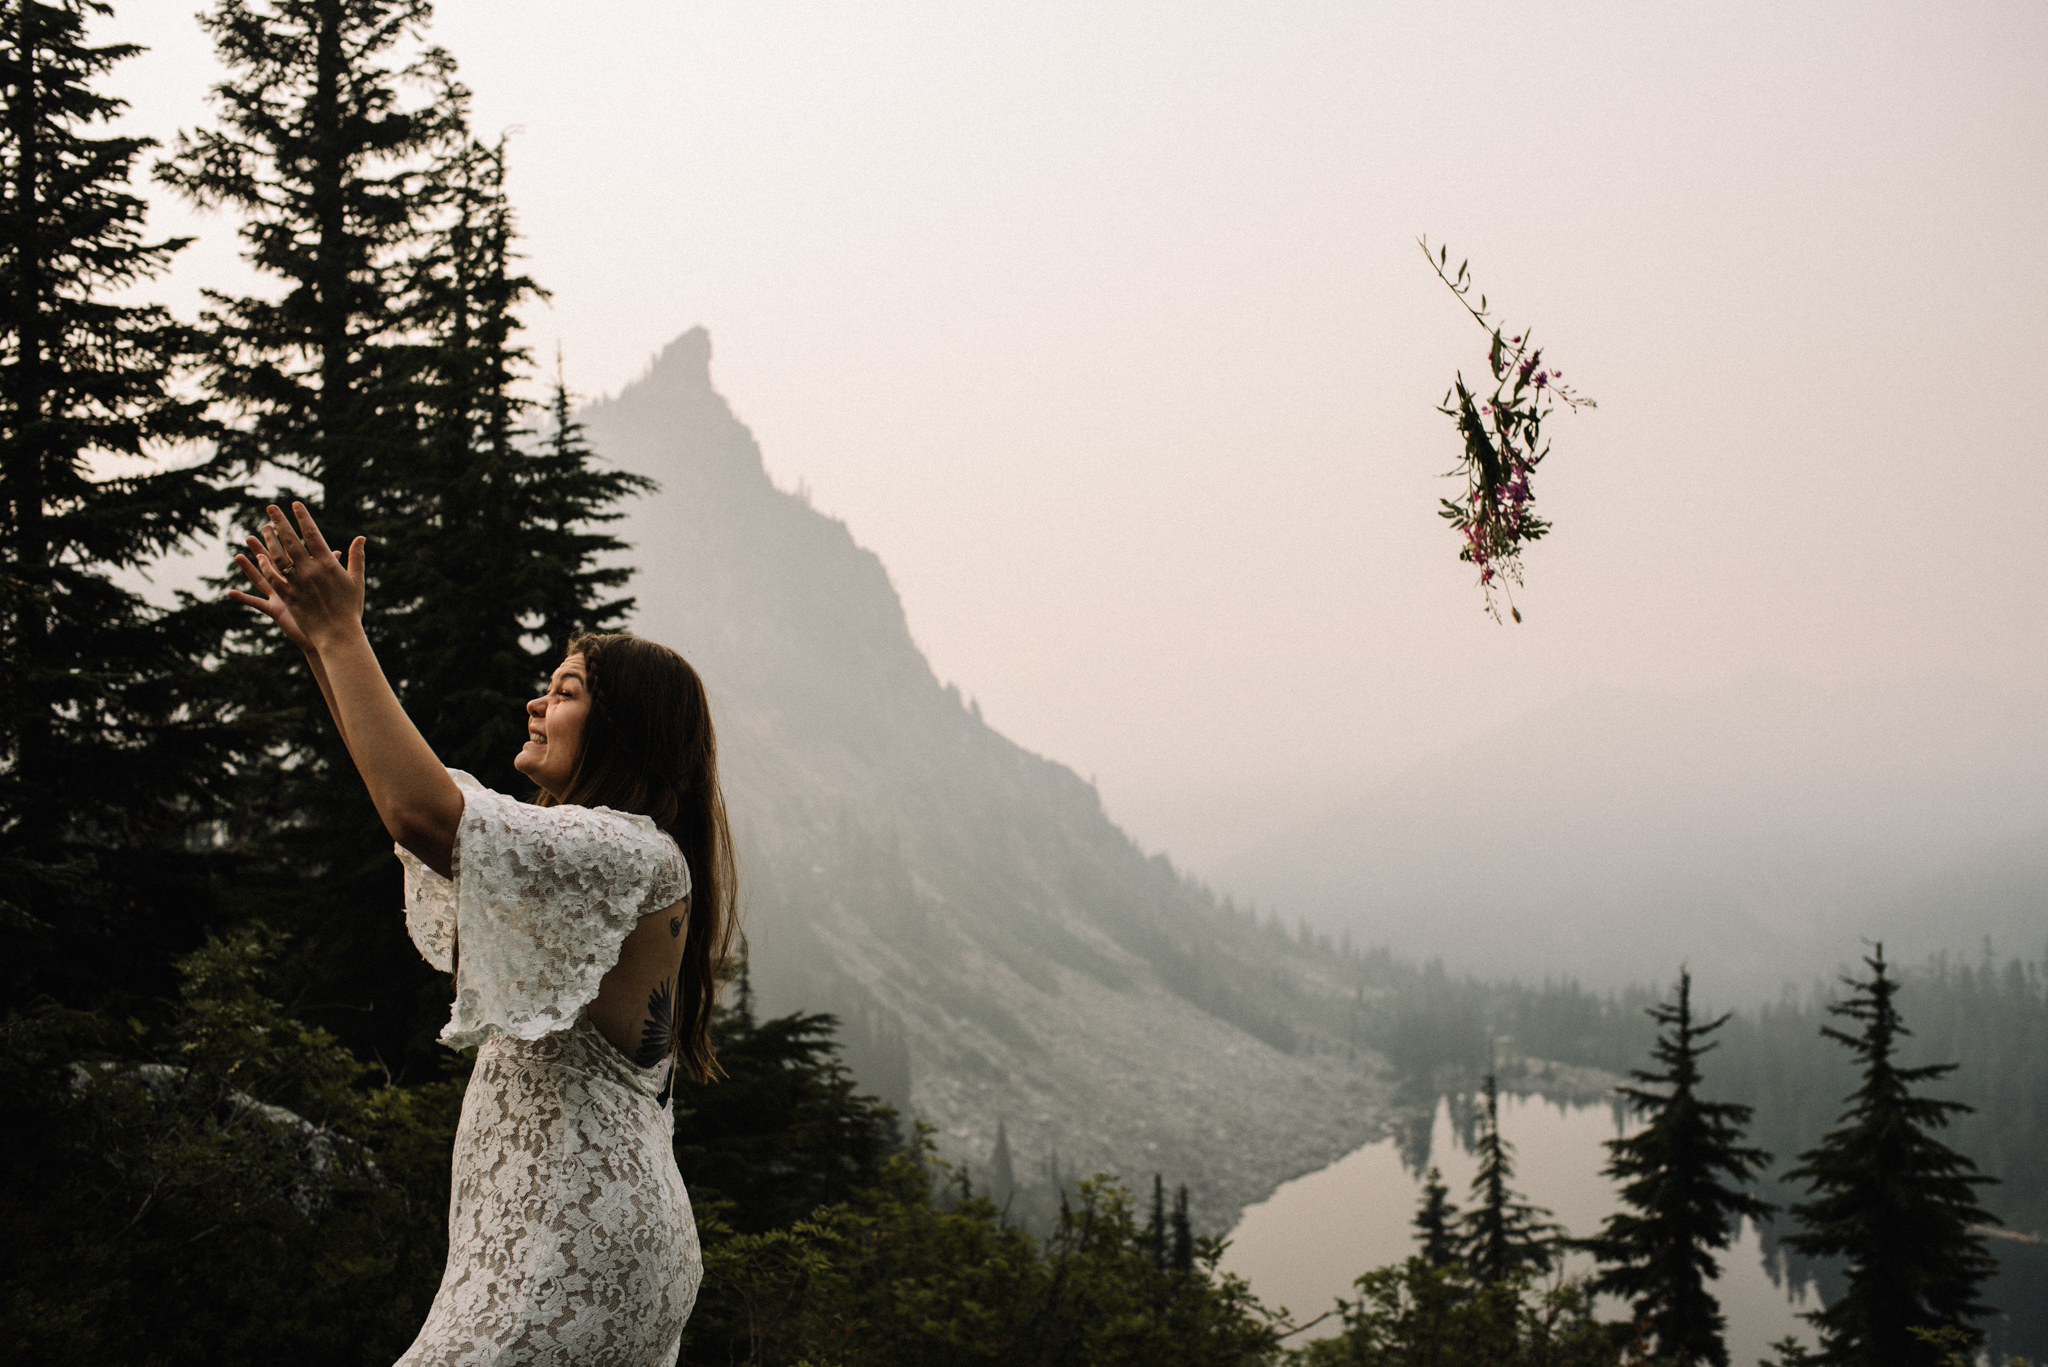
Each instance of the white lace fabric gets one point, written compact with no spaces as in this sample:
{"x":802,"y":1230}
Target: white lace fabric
{"x":541,"y":900}
{"x":570,"y":1236}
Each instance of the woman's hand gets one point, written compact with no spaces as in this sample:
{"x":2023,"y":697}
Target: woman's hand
{"x":306,"y":588}
{"x":264,"y":601}
{"x":317,"y":601}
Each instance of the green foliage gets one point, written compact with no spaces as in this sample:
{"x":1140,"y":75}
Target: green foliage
{"x":317,"y":150}
{"x":912,"y":1273}
{"x":491,"y":546}
{"x":1416,"y":1315}
{"x":1893,"y":1200}
{"x":330,"y":119}
{"x":784,"y":1130}
{"x":384,"y":372}
{"x":111,"y":732}
{"x":166,"y":1175}
{"x":1675,"y":1174}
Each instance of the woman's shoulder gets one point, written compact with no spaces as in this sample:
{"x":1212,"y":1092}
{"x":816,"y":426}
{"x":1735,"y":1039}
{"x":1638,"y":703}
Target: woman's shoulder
{"x":566,"y":814}
{"x":627,"y":841}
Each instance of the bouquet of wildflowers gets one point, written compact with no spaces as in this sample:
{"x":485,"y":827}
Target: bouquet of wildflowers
{"x":1503,"y":434}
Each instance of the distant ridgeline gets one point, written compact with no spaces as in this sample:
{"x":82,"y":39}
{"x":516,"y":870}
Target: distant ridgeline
{"x":1002,"y":957}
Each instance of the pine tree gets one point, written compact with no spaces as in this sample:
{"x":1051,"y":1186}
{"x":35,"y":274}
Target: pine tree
{"x":513,"y":572}
{"x":1895,"y":1202}
{"x":1182,"y":1258}
{"x":1675,"y":1175}
{"x":327,"y":166}
{"x":112,"y":743}
{"x":321,"y":378}
{"x":1435,"y":1223}
{"x":786,"y":1129}
{"x":1501,"y":1234}
{"x":388,"y":374}
{"x":1155,"y":1232}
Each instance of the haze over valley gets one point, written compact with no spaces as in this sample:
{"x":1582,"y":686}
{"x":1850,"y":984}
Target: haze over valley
{"x":1006,"y":958}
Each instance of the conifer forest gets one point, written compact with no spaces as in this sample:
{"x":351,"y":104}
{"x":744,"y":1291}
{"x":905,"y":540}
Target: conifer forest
{"x":228,"y":1120}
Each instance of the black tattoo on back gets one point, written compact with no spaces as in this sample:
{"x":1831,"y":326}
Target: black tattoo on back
{"x":655,"y":1031}
{"x":675,"y":926}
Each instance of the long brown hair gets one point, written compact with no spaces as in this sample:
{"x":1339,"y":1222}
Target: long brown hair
{"x":648,"y":748}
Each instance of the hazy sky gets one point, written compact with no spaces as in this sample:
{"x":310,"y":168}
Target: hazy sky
{"x":1103,"y":324}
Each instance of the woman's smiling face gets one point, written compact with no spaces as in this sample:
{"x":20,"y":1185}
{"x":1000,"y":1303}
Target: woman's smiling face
{"x":554,"y":728}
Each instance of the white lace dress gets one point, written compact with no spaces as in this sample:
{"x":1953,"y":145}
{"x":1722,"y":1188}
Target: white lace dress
{"x":570,"y":1237}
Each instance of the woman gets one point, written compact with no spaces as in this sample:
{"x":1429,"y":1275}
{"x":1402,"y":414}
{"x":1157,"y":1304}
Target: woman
{"x":570,"y":1237}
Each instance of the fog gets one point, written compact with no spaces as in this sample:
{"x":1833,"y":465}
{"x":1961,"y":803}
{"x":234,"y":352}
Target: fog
{"x":1106,"y":330}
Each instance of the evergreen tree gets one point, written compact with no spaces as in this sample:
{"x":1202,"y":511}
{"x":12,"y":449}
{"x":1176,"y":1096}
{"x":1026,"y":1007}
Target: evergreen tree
{"x":328,"y":166}
{"x":785,"y":1130}
{"x":513,"y":573}
{"x":1182,"y":1258}
{"x":1894,"y":1201}
{"x":1435,"y":1223}
{"x":387,"y":374}
{"x":111,"y":742}
{"x":1501,"y":1234}
{"x":1675,"y":1175}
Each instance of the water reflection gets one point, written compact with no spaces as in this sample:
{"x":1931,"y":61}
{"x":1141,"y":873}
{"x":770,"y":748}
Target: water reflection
{"x":1303,"y":1247}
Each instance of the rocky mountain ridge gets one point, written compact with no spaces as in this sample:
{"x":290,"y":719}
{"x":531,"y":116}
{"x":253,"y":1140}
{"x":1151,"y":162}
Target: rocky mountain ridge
{"x":1000,"y":952}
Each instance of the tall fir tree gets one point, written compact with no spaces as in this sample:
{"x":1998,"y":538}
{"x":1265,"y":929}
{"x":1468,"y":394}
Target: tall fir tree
{"x":387,"y":374}
{"x":1436,"y":1223}
{"x":1156,"y":1231}
{"x":1679,"y":1177}
{"x":1893,"y":1201}
{"x":516,"y":531}
{"x":1501,"y":1234}
{"x":318,"y":152}
{"x":1182,"y":1257}
{"x":113,"y":742}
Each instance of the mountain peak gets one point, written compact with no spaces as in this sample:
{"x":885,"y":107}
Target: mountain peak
{"x":684,"y":363}
{"x":1000,"y":953}
{"x":670,"y":422}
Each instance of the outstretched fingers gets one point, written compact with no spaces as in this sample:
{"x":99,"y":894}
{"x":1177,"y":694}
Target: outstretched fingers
{"x":247,"y":565}
{"x":263,"y":600}
{"x":294,"y":549}
{"x":267,"y":556}
{"x":312,"y":539}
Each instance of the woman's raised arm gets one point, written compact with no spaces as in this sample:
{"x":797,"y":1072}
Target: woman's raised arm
{"x":310,"y":589}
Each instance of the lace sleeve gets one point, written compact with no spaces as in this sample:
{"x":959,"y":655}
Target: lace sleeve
{"x":541,"y":900}
{"x":429,"y":910}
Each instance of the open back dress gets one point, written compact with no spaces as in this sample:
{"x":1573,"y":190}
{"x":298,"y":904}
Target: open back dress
{"x":570,"y":1236}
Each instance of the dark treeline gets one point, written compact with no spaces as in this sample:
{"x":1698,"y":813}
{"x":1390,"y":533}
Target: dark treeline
{"x":1440,"y":1033}
{"x":1991,"y":1018}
